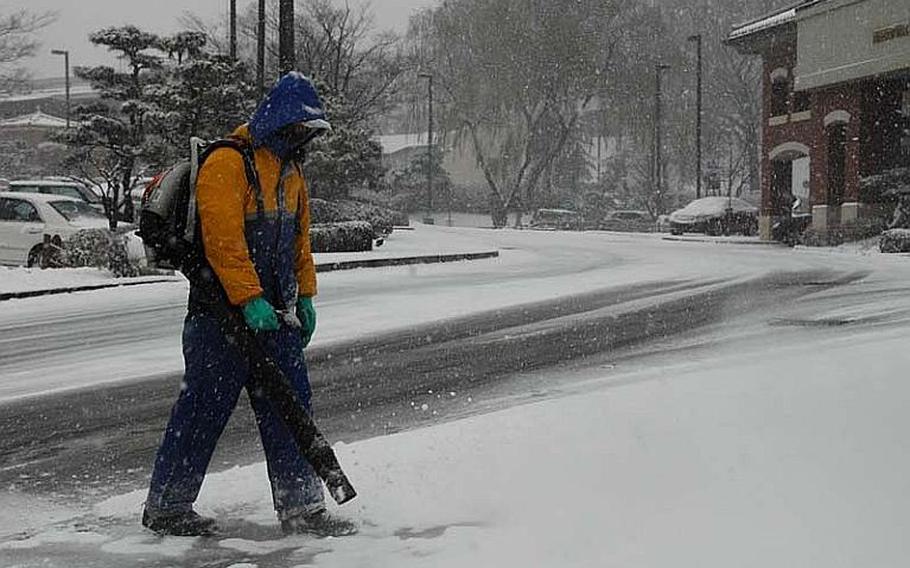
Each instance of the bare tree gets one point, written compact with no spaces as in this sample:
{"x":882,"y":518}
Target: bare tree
{"x":339,"y":47}
{"x":18,"y":41}
{"x":517,"y":77}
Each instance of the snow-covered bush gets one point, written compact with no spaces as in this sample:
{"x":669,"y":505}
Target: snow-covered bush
{"x":381,"y":218}
{"x":895,"y":240}
{"x":99,"y":248}
{"x":347,"y":236}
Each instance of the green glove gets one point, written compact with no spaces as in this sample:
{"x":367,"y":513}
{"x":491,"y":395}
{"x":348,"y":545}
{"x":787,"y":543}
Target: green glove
{"x":260,"y":315}
{"x":306,"y":313}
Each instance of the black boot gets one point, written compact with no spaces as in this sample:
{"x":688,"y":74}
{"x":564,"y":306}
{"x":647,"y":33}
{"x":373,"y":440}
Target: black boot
{"x":319,"y":524}
{"x":184,"y":523}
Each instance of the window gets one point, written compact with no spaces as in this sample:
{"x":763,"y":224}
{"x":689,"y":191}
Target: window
{"x":72,"y":210}
{"x":837,"y":163}
{"x":18,"y":211}
{"x":802,"y":102}
{"x":67,"y":190}
{"x":780,"y":92}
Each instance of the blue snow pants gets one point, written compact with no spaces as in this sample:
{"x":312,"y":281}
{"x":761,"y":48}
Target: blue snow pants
{"x":215,"y":374}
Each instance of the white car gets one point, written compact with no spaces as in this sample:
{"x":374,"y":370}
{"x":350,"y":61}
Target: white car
{"x":25,"y":218}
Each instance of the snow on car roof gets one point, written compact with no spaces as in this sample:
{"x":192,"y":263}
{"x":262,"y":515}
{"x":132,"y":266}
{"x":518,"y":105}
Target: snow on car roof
{"x":713,"y":205}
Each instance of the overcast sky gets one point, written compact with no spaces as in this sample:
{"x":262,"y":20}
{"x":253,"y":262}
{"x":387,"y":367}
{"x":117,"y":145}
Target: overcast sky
{"x":77,"y":18}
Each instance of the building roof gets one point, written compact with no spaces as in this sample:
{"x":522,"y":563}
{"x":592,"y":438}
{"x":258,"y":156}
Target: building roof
{"x":36,"y":119}
{"x":769,"y":21}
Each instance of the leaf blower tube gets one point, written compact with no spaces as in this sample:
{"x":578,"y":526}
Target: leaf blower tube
{"x":267,"y":376}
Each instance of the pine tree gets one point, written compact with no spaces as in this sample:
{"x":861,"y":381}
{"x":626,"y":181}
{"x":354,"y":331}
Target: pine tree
{"x":348,"y":158}
{"x":111,"y":137}
{"x":204,"y":95}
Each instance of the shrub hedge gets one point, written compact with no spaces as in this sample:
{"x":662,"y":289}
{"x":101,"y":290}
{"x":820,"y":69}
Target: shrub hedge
{"x":347,"y":236}
{"x":895,"y":240}
{"x":382,"y":219}
{"x":98,"y":248}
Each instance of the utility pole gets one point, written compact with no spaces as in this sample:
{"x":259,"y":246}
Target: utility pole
{"x":66,"y":62}
{"x":287,"y":59}
{"x":428,"y":220}
{"x":233,"y":24}
{"x":698,"y":105}
{"x":658,"y":166}
{"x":260,"y":49}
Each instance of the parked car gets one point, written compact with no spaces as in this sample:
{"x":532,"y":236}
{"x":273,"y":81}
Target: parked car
{"x":715,"y":216}
{"x":556,"y":219}
{"x":25,"y":218}
{"x":628,"y":221}
{"x":58,"y":186}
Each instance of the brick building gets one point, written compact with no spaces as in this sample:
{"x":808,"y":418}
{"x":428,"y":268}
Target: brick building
{"x":836,"y":107}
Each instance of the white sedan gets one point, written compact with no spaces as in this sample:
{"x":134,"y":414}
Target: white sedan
{"x":25,"y":218}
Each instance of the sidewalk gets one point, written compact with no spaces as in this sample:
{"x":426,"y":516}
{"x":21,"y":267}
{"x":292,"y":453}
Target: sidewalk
{"x":721,"y":240}
{"x":418,"y":245}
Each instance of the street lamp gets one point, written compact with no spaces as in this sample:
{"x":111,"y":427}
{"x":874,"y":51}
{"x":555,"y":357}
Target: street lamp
{"x":428,"y":220}
{"x":286,"y":54}
{"x":697,"y":39}
{"x":233,"y":29}
{"x":66,"y":62}
{"x":260,"y":49}
{"x":658,"y":166}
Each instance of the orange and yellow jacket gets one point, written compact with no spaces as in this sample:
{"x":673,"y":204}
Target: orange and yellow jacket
{"x":256,"y":245}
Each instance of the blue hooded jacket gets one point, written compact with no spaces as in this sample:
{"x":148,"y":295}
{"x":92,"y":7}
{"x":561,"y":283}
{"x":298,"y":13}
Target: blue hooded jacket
{"x":292,"y":100}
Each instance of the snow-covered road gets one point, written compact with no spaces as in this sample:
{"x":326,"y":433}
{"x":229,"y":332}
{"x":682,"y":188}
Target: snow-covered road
{"x":78,"y":340}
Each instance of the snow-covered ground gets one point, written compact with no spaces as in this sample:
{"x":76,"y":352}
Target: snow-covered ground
{"x":737,"y":460}
{"x":780,"y":442}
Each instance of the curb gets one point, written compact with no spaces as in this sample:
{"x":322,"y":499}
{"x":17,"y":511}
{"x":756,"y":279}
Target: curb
{"x":403,"y":261}
{"x":722,"y":242}
{"x":88,"y":288}
{"x":324,"y":267}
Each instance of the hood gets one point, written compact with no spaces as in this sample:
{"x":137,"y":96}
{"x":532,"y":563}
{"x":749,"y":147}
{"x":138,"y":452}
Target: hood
{"x":292,"y":100}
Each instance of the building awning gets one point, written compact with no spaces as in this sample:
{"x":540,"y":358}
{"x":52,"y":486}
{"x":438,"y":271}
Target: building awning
{"x":769,"y":21}
{"x":36,"y":119}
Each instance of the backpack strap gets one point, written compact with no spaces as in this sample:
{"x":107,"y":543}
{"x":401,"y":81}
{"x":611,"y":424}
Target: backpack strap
{"x":249,"y":166}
